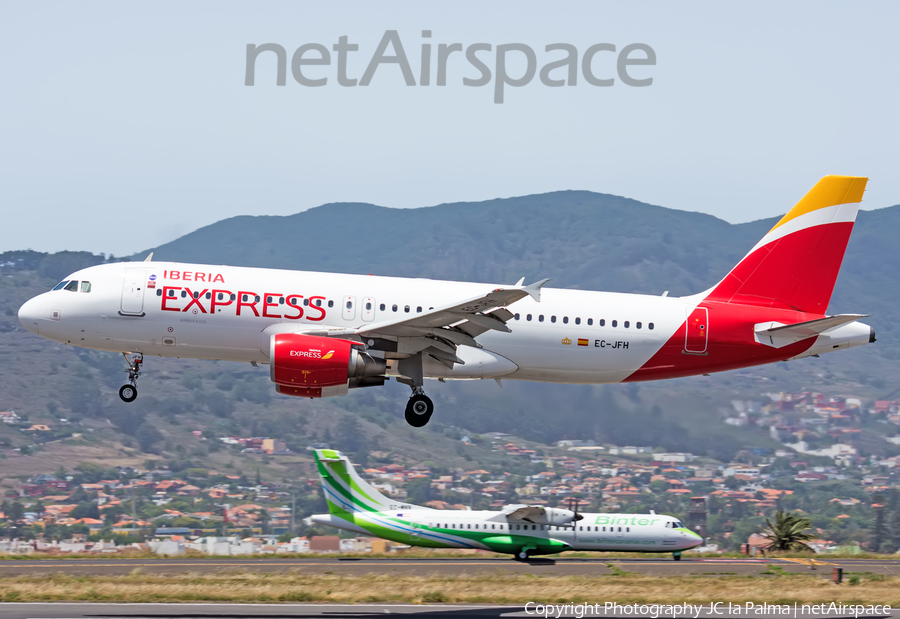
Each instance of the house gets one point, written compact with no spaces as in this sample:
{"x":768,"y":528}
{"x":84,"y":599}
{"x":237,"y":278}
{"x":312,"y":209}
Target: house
{"x":189,"y":490}
{"x":325,"y":543}
{"x":9,"y":417}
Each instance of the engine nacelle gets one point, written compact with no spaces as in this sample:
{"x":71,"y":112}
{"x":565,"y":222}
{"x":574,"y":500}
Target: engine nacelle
{"x":554,"y":516}
{"x":311,"y":366}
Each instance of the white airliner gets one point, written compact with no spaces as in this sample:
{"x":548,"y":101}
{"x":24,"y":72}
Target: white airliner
{"x":520,"y":530}
{"x":322,"y":333}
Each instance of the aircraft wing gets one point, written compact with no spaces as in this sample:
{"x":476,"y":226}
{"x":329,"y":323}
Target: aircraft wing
{"x":472,"y":316}
{"x":438,"y":331}
{"x":777,"y":335}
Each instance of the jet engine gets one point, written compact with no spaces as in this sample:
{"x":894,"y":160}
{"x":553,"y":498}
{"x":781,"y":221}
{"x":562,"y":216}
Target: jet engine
{"x":311,"y":366}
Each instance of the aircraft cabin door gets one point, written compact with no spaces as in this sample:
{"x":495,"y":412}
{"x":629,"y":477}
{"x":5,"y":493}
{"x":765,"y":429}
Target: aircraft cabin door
{"x":696,"y":333}
{"x":368,"y":309}
{"x":349,"y":308}
{"x":133,"y":292}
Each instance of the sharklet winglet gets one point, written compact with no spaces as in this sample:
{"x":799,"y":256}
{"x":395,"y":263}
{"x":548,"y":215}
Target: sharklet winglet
{"x":535,"y":289}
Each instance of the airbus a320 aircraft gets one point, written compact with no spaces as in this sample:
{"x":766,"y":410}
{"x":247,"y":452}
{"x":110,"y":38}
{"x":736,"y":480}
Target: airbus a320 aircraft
{"x":322,"y":334}
{"x":520,"y":530}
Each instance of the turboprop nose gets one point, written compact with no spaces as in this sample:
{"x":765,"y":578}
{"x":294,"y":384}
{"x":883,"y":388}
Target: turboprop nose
{"x":30,"y":315}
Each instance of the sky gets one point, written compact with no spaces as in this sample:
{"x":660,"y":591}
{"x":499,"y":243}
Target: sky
{"x":127,"y":125}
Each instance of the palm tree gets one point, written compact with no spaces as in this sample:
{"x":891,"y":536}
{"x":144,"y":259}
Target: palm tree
{"x":788,"y":532}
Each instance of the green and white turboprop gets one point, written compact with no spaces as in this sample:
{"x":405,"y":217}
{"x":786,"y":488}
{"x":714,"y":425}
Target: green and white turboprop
{"x":519,"y":530}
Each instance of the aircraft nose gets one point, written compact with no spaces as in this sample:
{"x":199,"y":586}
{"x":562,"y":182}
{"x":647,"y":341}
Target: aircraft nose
{"x":29,"y":315}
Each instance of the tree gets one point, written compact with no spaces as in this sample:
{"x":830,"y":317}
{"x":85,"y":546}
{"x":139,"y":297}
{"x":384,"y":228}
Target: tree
{"x":419,"y":491}
{"x":788,"y":532}
{"x":879,"y":528}
{"x":147,"y":436}
{"x":85,"y":510}
{"x":91,"y":472}
{"x":264,"y":518}
{"x":14,"y":511}
{"x":892,"y":535}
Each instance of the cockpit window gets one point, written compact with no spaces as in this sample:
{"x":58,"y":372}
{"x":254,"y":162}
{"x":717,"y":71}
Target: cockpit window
{"x":61,"y":285}
{"x":72,"y":286}
{"x":85,"y":286}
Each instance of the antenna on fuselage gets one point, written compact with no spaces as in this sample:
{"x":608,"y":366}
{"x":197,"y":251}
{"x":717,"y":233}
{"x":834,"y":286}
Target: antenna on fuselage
{"x":149,"y":258}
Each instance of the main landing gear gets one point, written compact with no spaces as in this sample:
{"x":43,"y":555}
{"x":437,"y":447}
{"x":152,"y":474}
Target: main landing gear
{"x":419,"y":408}
{"x":128,"y":392}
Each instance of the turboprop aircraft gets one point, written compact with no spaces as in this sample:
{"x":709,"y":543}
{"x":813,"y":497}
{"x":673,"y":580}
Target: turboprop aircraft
{"x":322,"y":334}
{"x":519,"y":530}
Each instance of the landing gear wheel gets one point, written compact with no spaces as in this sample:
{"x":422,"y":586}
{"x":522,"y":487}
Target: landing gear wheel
{"x":128,"y":393}
{"x":676,"y":556}
{"x":419,"y":410}
{"x":523,"y":555}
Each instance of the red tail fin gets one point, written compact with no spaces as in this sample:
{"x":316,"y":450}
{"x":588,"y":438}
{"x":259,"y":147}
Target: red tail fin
{"x":796,"y":264}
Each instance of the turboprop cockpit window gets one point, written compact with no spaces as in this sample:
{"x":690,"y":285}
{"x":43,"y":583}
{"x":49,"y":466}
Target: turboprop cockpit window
{"x":85,"y":286}
{"x":61,"y":285}
{"x":72,"y":286}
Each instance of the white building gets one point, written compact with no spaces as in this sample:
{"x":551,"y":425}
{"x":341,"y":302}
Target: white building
{"x":630,"y":450}
{"x":675,"y":457}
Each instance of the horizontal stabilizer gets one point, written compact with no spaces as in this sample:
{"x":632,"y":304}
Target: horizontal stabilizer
{"x":776,"y":334}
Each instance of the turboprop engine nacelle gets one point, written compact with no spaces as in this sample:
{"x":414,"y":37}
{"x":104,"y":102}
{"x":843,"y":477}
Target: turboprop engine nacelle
{"x":554,"y":516}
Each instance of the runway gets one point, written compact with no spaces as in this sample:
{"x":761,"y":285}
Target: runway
{"x":344,"y":611}
{"x":449,"y":566}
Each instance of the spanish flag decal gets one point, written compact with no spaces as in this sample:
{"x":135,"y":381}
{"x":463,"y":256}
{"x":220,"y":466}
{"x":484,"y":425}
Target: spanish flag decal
{"x":328,"y":355}
{"x":582,"y":342}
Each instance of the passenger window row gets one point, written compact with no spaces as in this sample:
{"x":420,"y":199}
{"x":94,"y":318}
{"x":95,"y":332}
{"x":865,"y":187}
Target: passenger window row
{"x":590,"y":321}
{"x":394,"y":308}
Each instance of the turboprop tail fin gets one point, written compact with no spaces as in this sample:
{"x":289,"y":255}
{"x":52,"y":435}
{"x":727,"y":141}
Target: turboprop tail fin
{"x":345,"y":491}
{"x":796,"y":264}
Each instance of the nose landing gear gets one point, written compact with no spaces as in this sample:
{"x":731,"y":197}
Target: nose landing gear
{"x":128,"y":392}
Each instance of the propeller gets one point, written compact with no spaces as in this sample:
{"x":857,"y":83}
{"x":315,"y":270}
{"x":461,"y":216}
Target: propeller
{"x":573,"y":507}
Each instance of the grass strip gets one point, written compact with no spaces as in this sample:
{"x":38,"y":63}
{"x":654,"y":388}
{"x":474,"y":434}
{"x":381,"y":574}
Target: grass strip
{"x":484,"y":587}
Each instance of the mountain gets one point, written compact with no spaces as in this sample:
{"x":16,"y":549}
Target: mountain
{"x":580,"y":239}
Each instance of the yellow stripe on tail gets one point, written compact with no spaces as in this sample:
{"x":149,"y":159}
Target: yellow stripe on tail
{"x":829,"y":191}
